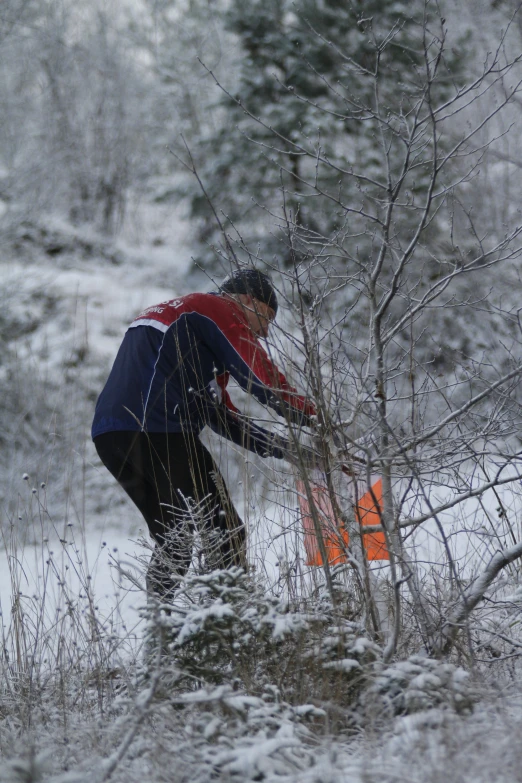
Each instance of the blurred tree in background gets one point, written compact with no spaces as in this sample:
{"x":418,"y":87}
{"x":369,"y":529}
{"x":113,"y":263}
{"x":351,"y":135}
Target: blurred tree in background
{"x":315,"y":81}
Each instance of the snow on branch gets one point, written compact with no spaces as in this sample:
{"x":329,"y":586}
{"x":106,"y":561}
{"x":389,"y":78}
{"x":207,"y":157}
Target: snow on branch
{"x":473,"y":595}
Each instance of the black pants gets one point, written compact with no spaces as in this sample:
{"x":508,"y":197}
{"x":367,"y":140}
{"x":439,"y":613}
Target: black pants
{"x":177,"y":486}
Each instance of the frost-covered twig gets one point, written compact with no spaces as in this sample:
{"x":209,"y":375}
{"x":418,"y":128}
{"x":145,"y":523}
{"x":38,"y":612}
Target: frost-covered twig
{"x":473,"y":595}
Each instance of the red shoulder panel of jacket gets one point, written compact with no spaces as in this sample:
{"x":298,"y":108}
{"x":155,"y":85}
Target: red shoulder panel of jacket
{"x":169,"y":311}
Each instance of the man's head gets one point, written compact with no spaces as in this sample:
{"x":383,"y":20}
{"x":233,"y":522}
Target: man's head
{"x":254,"y":291}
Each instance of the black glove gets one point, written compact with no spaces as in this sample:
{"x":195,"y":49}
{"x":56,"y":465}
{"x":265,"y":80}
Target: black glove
{"x":304,"y":457}
{"x":277,"y":446}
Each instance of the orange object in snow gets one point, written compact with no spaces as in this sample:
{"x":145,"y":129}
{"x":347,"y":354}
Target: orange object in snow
{"x":335,"y":536}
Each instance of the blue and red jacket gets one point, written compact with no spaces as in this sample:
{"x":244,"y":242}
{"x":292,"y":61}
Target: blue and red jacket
{"x":173,"y":366}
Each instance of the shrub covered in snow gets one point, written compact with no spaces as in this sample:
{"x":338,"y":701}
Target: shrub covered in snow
{"x":223,"y":628}
{"x":418,"y":684}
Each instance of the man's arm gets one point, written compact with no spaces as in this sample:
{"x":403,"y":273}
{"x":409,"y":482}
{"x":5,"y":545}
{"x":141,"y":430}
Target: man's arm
{"x":225,"y":419}
{"x":243,"y":432}
{"x":232,"y":341}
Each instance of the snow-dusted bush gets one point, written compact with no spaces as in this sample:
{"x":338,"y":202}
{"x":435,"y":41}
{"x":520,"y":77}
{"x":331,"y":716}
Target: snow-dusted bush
{"x":418,"y":684}
{"x":224,"y":629}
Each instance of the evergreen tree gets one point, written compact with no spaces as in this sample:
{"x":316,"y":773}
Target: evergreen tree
{"x":321,"y":121}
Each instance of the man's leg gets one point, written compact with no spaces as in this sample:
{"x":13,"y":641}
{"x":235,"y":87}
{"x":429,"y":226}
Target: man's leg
{"x":160,"y":473}
{"x":153,"y":472}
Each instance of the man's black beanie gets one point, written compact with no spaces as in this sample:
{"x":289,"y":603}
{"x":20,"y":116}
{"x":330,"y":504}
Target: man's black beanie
{"x":253,"y":283}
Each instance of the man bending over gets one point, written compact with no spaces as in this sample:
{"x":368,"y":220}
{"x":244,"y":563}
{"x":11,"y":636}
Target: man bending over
{"x":168,"y":381}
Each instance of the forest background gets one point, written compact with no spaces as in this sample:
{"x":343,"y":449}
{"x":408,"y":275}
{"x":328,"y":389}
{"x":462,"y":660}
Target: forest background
{"x":366,"y":155}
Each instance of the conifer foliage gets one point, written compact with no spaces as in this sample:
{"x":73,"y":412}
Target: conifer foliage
{"x":223,"y":628}
{"x":225,"y":640}
{"x":324,"y":88}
